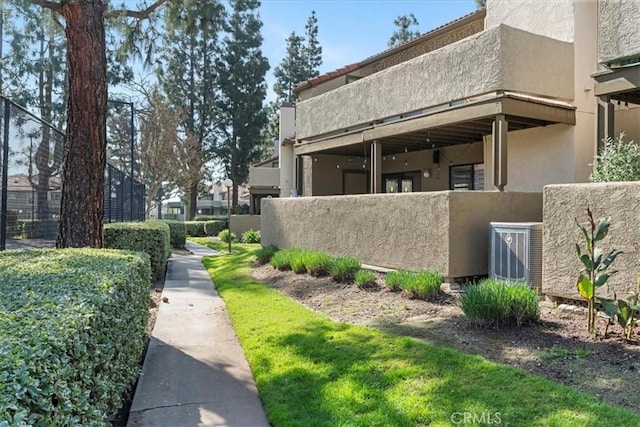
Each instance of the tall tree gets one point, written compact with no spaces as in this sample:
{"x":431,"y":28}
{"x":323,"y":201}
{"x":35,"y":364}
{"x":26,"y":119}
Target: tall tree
{"x":403,"y":32}
{"x":312,"y":51}
{"x":242,"y":69}
{"x":82,"y":205}
{"x":481,"y":3}
{"x":188,"y":78}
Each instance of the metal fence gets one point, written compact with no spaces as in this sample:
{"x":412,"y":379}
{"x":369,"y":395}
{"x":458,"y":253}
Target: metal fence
{"x":31,"y":184}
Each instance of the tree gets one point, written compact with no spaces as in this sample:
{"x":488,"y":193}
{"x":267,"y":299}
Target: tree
{"x":403,"y":34}
{"x":312,"y":51}
{"x":188,"y":77}
{"x":481,"y":3}
{"x":84,"y":156}
{"x":242,"y":68}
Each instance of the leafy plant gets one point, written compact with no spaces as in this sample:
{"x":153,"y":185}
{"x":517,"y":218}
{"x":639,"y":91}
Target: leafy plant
{"x":618,"y":161}
{"x":317,"y":263}
{"x":282,"y":258}
{"x":624,"y":311}
{"x":195,"y":228}
{"x":178,"y":233}
{"x":365,"y":279}
{"x":595,"y":263}
{"x":297,"y":262}
{"x":395,"y":280}
{"x":421,"y":285}
{"x":344,"y":269}
{"x":557,"y":351}
{"x":496,"y":302}
{"x":251,"y":236}
{"x":264,"y":254}
{"x":214,"y":227}
{"x":225,"y":236}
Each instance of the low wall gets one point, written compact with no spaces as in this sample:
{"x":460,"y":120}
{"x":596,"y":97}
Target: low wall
{"x":241,"y":223}
{"x":563,"y":203}
{"x":445,"y":230}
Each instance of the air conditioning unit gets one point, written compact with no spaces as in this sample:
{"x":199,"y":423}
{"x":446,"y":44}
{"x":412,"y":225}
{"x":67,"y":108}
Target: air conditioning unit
{"x":516,"y":252}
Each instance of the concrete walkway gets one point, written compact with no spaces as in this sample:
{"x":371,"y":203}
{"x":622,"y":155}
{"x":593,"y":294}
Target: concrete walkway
{"x":194,"y":373}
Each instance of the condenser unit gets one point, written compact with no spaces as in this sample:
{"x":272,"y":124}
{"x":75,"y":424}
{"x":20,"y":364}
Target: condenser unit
{"x":515,"y":252}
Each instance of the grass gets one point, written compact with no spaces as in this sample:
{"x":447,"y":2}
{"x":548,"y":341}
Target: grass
{"x":365,"y":279}
{"x":344,"y":269}
{"x":311,"y":371}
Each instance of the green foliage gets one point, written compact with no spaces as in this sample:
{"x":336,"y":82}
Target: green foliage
{"x":12,"y":223}
{"x":422,"y":284}
{"x":365,"y":279}
{"x":214,"y":227}
{"x":150,"y":237}
{"x":625,"y":312}
{"x":403,"y":34}
{"x":72,"y":325}
{"x":317,"y":263}
{"x":178,"y":233}
{"x":244,"y":209}
{"x":344,"y":269}
{"x":264,"y":254}
{"x":396,"y":280}
{"x":251,"y":236}
{"x":618,"y":161}
{"x":225,"y":236}
{"x":297,"y":262}
{"x":222,"y":218}
{"x":39,"y":228}
{"x":281,"y":260}
{"x":195,"y":228}
{"x":594,"y":274}
{"x":496,"y":302}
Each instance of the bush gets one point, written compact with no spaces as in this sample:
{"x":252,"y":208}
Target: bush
{"x":365,"y":279}
{"x":151,"y":237}
{"x":264,"y":254}
{"x":177,"y":232}
{"x":251,"y":236}
{"x":195,"y":228}
{"x":12,"y":223}
{"x":317,"y":263}
{"x":205,"y":218}
{"x":39,"y":229}
{"x":618,"y":161}
{"x":72,"y":331}
{"x":421,"y":285}
{"x":214,"y":227}
{"x":224,"y":235}
{"x":396,"y":280}
{"x":495,"y":302}
{"x":344,"y":269}
{"x":242,"y":210}
{"x":282,"y":258}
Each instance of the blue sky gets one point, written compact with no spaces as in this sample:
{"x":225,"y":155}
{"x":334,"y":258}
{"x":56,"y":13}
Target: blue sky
{"x":348,"y":30}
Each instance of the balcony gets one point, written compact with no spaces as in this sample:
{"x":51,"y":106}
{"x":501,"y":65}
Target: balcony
{"x":264,"y":177}
{"x":499,"y":59}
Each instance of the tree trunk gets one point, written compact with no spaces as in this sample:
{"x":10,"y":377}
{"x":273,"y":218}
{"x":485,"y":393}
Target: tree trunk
{"x":82,"y":205}
{"x":193,"y":201}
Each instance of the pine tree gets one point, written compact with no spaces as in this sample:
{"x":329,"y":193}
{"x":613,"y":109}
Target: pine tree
{"x":241,"y":79}
{"x":403,"y":34}
{"x":291,"y":71}
{"x":312,"y":51}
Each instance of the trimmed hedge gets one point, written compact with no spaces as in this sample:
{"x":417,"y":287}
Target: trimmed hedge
{"x":178,"y":233}
{"x":151,"y":237}
{"x":213,"y":228}
{"x":195,"y":228}
{"x":72,"y":330}
{"x":222,"y":218}
{"x":39,"y":228}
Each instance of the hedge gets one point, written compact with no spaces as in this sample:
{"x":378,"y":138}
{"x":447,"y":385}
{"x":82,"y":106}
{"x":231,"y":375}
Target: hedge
{"x":195,"y":228}
{"x":39,"y":228}
{"x":213,"y":228}
{"x":178,"y":232}
{"x":151,"y":237}
{"x":72,"y":331}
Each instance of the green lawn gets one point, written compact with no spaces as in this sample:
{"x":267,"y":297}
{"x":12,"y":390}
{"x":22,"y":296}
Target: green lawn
{"x":311,"y":371}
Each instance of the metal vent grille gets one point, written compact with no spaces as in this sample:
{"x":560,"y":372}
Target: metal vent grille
{"x":516,"y":252}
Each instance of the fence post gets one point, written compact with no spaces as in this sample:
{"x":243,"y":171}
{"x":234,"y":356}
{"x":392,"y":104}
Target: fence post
{"x":5,"y":177}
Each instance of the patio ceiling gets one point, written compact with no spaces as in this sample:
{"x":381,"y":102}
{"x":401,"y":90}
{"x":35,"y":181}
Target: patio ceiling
{"x":460,"y":124}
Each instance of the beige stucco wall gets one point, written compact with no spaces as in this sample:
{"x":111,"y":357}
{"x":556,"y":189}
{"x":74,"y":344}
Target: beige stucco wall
{"x":488,"y":61}
{"x":563,"y":203}
{"x":241,"y":223}
{"x":444,"y":230}
{"x":619,"y":29}
{"x":628,"y":121}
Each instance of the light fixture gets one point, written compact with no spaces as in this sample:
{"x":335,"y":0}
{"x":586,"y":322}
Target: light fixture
{"x":406,"y":163}
{"x":384,"y":157}
{"x":427,"y":173}
{"x":349,"y":159}
{"x":228,"y":183}
{"x":338,"y":166}
{"x":393,"y":157}
{"x":315,"y":159}
{"x":405,"y":149}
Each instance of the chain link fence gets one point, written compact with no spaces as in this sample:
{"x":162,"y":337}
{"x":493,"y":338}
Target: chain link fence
{"x":31,"y":182}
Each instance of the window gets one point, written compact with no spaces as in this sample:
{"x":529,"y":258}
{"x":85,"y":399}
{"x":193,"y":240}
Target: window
{"x":466,"y":177}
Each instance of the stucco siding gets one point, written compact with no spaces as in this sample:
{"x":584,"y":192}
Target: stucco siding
{"x":241,"y":223}
{"x":483,"y":63}
{"x":628,"y":121}
{"x":563,"y":203}
{"x":444,"y":230}
{"x":619,"y":29}
{"x":548,"y":18}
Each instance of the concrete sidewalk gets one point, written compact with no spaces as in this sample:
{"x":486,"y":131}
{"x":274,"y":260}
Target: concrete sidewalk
{"x":194,"y":373}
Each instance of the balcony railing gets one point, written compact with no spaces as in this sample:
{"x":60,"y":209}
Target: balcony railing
{"x":264,"y":177}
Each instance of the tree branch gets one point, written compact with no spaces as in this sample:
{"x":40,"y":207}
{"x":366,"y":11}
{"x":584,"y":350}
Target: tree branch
{"x":56,"y":7}
{"x":137,"y":14}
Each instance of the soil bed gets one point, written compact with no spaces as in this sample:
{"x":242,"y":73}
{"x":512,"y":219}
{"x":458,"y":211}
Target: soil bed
{"x":557,"y":346}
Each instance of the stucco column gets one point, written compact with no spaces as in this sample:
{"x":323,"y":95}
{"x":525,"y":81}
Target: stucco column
{"x":500,"y":131}
{"x":605,"y":120}
{"x":376,"y":167}
{"x":286,"y":141}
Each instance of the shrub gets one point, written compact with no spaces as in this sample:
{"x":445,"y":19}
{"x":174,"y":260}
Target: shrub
{"x":72,"y":325}
{"x":224,"y":235}
{"x":317,"y":263}
{"x":344,"y":269}
{"x":282,"y":258}
{"x":397,"y":280}
{"x":12,"y":223}
{"x":251,"y":236}
{"x":39,"y":229}
{"x":151,"y":237}
{"x":177,"y":232}
{"x":365,"y":279}
{"x":421,"y":285}
{"x":296,"y":261}
{"x":495,"y":302}
{"x":214,"y":227}
{"x":195,"y":228}
{"x":222,"y":218}
{"x":242,"y":210}
{"x":618,"y":161}
{"x":264,"y":254}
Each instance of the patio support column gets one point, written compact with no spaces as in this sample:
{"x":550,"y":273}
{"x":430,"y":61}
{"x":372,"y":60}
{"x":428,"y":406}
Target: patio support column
{"x":376,"y":167}
{"x":500,"y":131}
{"x":605,"y":120}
